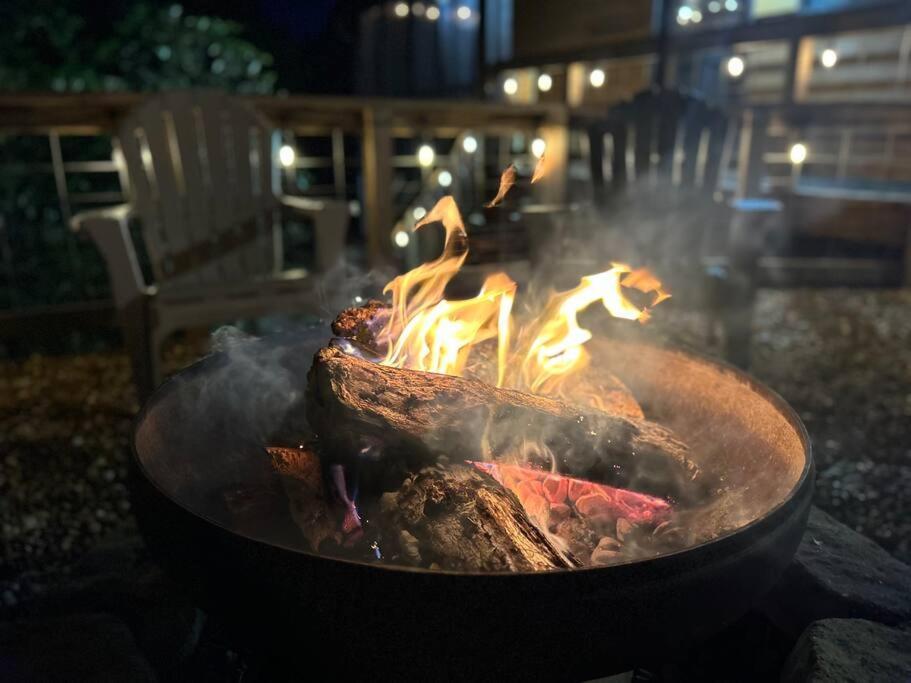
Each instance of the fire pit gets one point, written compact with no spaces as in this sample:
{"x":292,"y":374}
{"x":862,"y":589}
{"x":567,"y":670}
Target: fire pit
{"x":450,"y":489}
{"x":214,"y":508}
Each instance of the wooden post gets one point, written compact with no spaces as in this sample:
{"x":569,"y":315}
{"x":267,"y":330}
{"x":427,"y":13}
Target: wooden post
{"x":906,"y":279}
{"x":800,"y":69}
{"x":377,"y":169}
{"x":750,"y":165}
{"x":552,"y":188}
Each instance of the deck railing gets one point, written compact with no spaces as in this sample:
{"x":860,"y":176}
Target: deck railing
{"x":57,"y":147}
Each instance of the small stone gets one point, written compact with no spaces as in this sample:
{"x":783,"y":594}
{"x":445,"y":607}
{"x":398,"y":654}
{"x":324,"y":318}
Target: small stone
{"x":603,"y":556}
{"x":836,"y":650}
{"x":837,"y":573}
{"x":609,"y":543}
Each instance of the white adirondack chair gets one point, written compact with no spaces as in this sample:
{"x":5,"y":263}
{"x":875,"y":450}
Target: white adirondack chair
{"x":203,"y":184}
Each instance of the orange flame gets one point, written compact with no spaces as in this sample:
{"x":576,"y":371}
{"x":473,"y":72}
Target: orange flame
{"x":556,"y":347}
{"x":427,"y":332}
{"x":540,"y":169}
{"x":507,"y":180}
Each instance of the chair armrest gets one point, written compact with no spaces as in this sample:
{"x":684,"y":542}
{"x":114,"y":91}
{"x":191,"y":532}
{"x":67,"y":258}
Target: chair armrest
{"x":330,"y":218}
{"x":109,"y":229}
{"x":107,"y":216}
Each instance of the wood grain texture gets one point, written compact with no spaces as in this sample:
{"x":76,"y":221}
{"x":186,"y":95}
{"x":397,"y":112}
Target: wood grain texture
{"x":461,"y":519}
{"x":420,"y":416}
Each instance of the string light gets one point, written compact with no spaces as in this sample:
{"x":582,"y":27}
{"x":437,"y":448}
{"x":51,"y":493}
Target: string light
{"x":464,"y":13}
{"x":401,"y":239}
{"x":426,"y":155}
{"x":537,"y":147}
{"x":829,"y":58}
{"x":433,"y":13}
{"x":444,"y":179}
{"x":401,"y":10}
{"x":798,"y":153}
{"x":597,"y":78}
{"x":735,"y":67}
{"x":418,"y":9}
{"x":470,"y":144}
{"x":418,"y":213}
{"x":545,"y":82}
{"x":287,"y":156}
{"x":510,"y":86}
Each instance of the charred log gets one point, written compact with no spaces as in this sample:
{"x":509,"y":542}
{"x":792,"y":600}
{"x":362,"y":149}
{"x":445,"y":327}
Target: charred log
{"x":362,"y":324}
{"x":461,"y":519}
{"x":422,"y":416}
{"x":302,"y":479}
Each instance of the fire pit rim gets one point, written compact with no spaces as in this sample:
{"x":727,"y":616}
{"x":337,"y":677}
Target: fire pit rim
{"x":661,"y":564}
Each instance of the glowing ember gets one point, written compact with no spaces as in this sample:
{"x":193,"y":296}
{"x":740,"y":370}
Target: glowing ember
{"x":545,"y":494}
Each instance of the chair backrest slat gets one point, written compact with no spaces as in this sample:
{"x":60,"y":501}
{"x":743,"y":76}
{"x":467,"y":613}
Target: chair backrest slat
{"x":201,"y":177}
{"x":197,"y":199}
{"x":662,"y":136}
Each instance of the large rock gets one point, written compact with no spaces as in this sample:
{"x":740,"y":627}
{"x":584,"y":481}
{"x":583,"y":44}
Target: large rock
{"x":836,"y":650}
{"x":97,"y":648}
{"x":839,"y":573}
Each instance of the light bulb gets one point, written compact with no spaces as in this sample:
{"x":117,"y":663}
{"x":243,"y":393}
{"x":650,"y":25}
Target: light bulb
{"x":286,"y":156}
{"x":798,"y":153}
{"x":426,"y":155}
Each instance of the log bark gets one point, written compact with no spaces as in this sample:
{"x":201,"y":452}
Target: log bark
{"x":361,"y":324}
{"x":302,"y":479}
{"x":420,"y":416}
{"x":460,"y":519}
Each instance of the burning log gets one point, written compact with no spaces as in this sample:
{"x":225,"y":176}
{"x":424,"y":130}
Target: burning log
{"x":424,"y":415}
{"x":462,"y":519}
{"x":362,"y":324}
{"x":302,"y":479}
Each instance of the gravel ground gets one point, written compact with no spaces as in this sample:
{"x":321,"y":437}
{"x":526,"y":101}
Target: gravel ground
{"x":841,"y":357}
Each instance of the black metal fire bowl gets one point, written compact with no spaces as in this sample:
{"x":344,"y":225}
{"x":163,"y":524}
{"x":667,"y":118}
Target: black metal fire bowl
{"x":198,"y":441}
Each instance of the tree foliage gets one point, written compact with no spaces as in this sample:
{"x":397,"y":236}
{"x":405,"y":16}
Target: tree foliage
{"x":54,"y":46}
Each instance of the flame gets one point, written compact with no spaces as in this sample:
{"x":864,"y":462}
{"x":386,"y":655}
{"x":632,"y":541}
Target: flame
{"x":556,"y":347}
{"x":507,"y":180}
{"x":428,"y":332}
{"x":540,"y":169}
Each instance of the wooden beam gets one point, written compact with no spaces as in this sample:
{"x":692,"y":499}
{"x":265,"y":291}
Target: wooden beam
{"x":750,"y":166}
{"x":377,"y":169}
